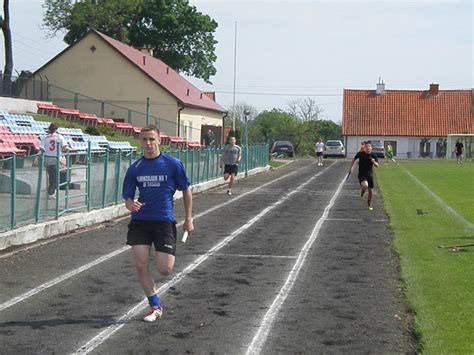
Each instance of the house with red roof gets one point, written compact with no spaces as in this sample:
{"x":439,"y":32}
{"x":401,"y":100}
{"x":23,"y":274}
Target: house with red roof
{"x":417,"y":123}
{"x":100,"y":75}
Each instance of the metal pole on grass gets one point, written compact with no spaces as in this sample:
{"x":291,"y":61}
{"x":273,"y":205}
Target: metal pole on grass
{"x":246,"y":116}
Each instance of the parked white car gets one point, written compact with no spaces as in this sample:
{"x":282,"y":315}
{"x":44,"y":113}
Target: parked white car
{"x":334,"y":148}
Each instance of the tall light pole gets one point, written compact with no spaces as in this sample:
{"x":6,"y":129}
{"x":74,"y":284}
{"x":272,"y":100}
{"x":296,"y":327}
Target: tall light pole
{"x":235,"y":72}
{"x":246,"y":117}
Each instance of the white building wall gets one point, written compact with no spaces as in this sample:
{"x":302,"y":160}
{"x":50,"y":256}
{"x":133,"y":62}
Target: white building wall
{"x":407,"y":147}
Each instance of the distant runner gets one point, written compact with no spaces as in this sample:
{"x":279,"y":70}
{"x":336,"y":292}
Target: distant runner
{"x":367,"y":159}
{"x":319,"y":149}
{"x":230,"y":159}
{"x":458,"y":147}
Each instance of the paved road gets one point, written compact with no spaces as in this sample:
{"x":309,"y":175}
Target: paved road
{"x":293,"y":262}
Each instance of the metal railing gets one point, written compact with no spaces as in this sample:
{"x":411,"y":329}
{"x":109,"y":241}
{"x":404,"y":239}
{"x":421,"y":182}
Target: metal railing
{"x":90,"y":181}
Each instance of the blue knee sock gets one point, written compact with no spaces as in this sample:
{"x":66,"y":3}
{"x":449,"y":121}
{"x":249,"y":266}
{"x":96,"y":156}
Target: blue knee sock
{"x":154,"y":301}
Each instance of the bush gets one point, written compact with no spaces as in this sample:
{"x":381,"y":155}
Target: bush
{"x":93,"y":131}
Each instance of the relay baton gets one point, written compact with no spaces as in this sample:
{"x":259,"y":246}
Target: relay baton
{"x":184,"y":237}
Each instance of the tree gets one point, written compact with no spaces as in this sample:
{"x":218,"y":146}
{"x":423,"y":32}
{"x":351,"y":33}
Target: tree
{"x":7,"y":35}
{"x":238,"y":112}
{"x":305,"y":109}
{"x":178,"y":34}
{"x":270,"y":126}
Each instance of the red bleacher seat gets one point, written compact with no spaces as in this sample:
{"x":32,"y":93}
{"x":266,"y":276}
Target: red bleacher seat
{"x":177,"y":141}
{"x":4,"y":129}
{"x":47,"y":109}
{"x":108,"y":121}
{"x":29,"y":141}
{"x":194,"y":145}
{"x":9,"y":148}
{"x":165,"y":140}
{"x":126,"y":129}
{"x":68,"y":114}
{"x":87,"y":119}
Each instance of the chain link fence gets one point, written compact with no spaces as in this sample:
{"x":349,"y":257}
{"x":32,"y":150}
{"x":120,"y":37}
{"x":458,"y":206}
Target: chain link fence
{"x":90,"y":181}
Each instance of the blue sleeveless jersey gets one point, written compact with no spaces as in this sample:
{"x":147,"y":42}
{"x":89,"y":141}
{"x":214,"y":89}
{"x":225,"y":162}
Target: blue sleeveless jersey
{"x":157,"y":180}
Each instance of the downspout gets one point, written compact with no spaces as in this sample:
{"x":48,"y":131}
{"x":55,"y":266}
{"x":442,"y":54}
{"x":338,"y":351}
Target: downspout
{"x":181,"y":108}
{"x":223,"y":125}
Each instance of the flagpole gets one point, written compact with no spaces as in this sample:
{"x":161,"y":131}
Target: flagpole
{"x":235,"y":71}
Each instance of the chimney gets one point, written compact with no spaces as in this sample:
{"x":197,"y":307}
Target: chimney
{"x":167,"y":70}
{"x":211,"y":95}
{"x":380,"y":88}
{"x":434,"y":89}
{"x":144,"y":60}
{"x":187,"y":92}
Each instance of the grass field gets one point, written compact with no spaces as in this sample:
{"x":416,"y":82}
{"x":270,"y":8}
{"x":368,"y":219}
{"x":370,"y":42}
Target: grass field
{"x":431,"y":203}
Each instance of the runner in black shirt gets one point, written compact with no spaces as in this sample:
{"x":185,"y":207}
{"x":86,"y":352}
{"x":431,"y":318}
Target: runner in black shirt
{"x":367,"y":159}
{"x":458,"y":147}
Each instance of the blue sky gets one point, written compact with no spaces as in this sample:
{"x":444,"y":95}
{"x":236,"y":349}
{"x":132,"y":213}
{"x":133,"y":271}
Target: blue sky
{"x":288,"y":50}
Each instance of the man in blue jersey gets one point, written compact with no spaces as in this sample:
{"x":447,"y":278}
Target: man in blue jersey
{"x":367,"y":160}
{"x":157,"y":176}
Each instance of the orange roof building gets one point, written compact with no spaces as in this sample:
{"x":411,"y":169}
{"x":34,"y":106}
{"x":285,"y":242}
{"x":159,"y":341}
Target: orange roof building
{"x":415,"y":122}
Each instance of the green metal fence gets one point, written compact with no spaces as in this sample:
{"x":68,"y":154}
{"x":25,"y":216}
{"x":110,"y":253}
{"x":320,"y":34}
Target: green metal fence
{"x":91,"y":181}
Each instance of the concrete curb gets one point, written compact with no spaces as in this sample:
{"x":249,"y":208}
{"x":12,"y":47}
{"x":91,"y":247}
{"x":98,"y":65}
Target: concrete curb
{"x":66,"y":224}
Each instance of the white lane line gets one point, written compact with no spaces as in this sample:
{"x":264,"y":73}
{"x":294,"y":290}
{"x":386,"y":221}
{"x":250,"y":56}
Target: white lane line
{"x":257,"y":256}
{"x":443,"y":204}
{"x":59,"y":279}
{"x":107,"y":332}
{"x":260,"y":337}
{"x":106,"y":257}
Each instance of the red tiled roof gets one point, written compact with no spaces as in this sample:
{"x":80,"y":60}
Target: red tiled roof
{"x":407,"y":113}
{"x":166,"y":77}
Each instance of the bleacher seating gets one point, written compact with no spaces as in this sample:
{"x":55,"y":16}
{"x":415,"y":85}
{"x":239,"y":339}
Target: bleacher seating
{"x":27,"y":130}
{"x":9,"y":148}
{"x":121,"y":146}
{"x":177,"y":142}
{"x":70,"y":131}
{"x":194,"y":145}
{"x":68,"y":114}
{"x":83,"y":146}
{"x":48,"y":109}
{"x":125,"y":129}
{"x":87,"y":119}
{"x":101,"y":140}
{"x":30,"y":141}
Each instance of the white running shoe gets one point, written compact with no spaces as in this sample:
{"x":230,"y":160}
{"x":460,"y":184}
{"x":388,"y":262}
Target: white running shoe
{"x":229,"y":192}
{"x":154,"y":314}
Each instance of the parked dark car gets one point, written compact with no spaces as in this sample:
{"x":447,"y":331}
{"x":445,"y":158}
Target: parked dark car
{"x":283,"y":147}
{"x":378,"y":149}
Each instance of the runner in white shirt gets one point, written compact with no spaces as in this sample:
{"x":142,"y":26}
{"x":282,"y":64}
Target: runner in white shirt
{"x":49,"y":145}
{"x":319,"y":149}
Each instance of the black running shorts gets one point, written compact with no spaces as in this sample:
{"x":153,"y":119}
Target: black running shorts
{"x":368,"y":178}
{"x":231,"y":169}
{"x":161,"y":234}
{"x":318,"y":154}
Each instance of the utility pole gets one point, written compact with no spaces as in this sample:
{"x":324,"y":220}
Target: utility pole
{"x":235,"y":71}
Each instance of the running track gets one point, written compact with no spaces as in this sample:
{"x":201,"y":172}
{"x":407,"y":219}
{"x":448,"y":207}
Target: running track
{"x":293,"y":262}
